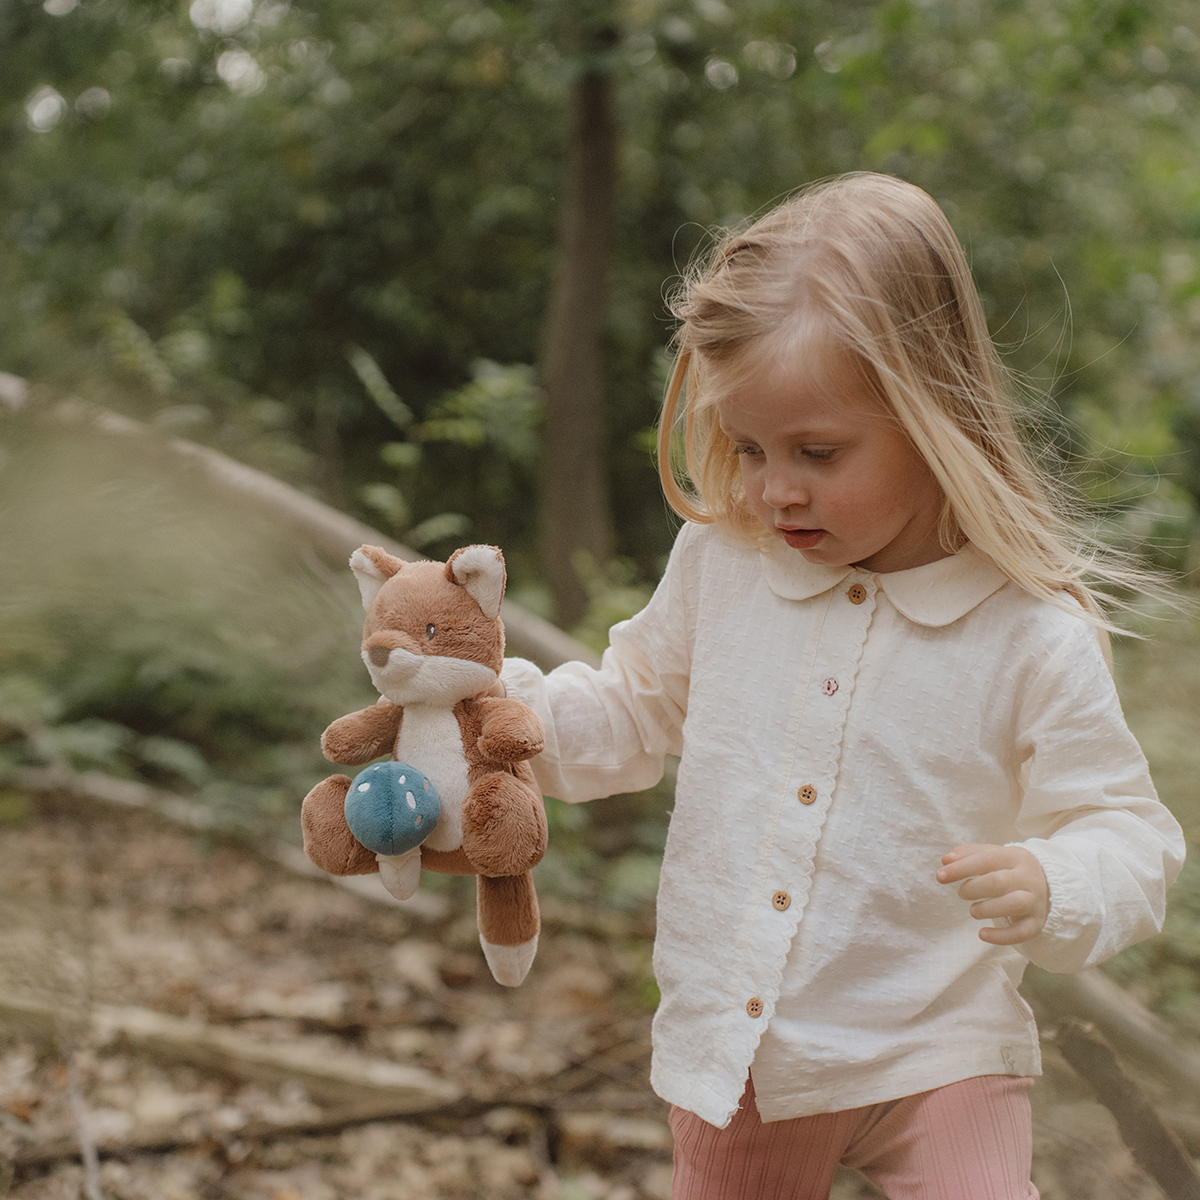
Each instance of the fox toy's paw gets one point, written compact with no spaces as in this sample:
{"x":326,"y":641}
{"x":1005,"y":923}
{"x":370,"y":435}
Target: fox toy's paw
{"x":328,"y":841}
{"x":511,"y":732}
{"x":504,"y":826}
{"x":362,"y":736}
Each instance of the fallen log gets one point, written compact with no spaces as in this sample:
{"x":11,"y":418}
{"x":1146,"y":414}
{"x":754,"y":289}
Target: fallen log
{"x":328,"y":1075}
{"x":331,"y":532}
{"x":1154,"y":1147}
{"x":1131,"y":1028}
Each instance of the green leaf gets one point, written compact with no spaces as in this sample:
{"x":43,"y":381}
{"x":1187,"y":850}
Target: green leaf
{"x":378,"y":388}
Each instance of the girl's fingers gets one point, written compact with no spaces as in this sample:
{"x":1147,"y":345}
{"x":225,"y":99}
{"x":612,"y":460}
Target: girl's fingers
{"x":1001,"y":882}
{"x":1018,"y":931}
{"x":961,"y":852}
{"x":1014,"y":905}
{"x":984,"y":887}
{"x":964,"y":861}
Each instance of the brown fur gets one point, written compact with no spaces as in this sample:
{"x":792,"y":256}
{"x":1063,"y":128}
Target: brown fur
{"x":507,"y":909}
{"x":387,"y":563}
{"x":363,"y":735}
{"x":327,"y":838}
{"x":447,"y":862}
{"x":504,"y":821}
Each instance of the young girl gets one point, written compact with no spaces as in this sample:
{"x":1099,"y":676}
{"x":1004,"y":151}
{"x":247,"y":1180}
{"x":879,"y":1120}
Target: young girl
{"x":875,"y":652}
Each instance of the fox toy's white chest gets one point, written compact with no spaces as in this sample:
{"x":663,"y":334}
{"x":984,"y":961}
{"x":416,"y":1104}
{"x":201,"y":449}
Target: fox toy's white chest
{"x":431,"y":741}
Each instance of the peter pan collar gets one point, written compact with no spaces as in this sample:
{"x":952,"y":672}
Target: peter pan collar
{"x":935,"y":594}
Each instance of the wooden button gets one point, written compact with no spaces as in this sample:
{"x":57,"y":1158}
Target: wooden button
{"x":781,"y":900}
{"x":857,"y":593}
{"x":829,"y":686}
{"x":807,"y":794}
{"x":754,"y":1006}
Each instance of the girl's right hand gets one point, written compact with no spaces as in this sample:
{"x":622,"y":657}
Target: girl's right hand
{"x":1002,"y":881}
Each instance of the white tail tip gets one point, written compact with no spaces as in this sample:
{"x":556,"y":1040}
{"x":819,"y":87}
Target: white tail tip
{"x":509,"y":964}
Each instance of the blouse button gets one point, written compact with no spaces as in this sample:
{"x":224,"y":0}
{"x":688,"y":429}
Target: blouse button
{"x":754,"y":1007}
{"x":857,"y":593}
{"x":829,"y":686}
{"x":807,"y":794}
{"x":781,"y":900}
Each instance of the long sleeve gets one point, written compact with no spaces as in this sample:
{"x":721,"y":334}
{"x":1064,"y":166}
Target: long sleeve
{"x":609,"y":730}
{"x":1090,"y":814}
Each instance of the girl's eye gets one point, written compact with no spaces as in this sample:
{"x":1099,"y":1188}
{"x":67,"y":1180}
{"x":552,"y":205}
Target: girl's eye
{"x":818,"y":453}
{"x":430,"y":630}
{"x":742,"y":448}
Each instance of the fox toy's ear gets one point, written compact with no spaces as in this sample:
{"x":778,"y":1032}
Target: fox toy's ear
{"x":480,"y":569}
{"x":372,"y":568}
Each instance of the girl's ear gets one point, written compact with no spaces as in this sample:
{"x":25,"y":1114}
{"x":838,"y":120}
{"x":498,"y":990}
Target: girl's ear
{"x":480,"y":569}
{"x":372,"y":568}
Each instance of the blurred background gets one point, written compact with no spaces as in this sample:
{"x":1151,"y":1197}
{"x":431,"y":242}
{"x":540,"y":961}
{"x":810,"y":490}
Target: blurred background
{"x":411,"y":258}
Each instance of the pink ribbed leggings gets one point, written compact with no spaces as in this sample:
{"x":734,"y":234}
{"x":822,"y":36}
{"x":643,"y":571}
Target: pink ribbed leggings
{"x":971,"y":1140}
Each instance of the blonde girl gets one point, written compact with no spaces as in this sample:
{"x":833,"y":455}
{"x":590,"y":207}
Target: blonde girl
{"x":904,"y":771}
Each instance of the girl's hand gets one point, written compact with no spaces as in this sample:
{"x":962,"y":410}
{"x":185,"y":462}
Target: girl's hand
{"x":1003,"y":881}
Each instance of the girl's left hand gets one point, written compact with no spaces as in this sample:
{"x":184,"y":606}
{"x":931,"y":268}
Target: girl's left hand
{"x":1003,"y":881}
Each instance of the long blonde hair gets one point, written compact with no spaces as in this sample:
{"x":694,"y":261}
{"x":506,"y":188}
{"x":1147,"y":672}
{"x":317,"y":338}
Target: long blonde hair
{"x":876,"y":262}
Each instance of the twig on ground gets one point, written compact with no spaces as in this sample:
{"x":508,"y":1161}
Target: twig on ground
{"x":164,"y":1142}
{"x":87,"y":1147}
{"x":333,"y":1121}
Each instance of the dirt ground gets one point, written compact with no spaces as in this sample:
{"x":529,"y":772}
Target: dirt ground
{"x":102,"y":907}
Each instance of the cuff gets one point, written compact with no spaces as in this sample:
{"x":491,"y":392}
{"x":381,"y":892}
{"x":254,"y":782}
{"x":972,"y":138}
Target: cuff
{"x":1070,"y":930}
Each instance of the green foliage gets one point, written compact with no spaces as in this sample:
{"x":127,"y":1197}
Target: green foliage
{"x":343,"y":206}
{"x":613,"y":595}
{"x":16,"y":808}
{"x":378,"y":388}
{"x":495,"y":417}
{"x":608,"y":851}
{"x":500,"y":408}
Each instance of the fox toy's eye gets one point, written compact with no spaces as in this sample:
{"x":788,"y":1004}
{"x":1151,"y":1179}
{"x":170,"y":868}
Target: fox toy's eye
{"x":430,"y":630}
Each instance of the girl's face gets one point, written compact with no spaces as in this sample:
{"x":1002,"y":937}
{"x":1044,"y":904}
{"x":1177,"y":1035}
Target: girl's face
{"x":826,"y":469}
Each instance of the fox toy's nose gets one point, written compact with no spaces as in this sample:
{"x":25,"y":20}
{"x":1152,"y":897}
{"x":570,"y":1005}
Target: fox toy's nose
{"x":384,"y":653}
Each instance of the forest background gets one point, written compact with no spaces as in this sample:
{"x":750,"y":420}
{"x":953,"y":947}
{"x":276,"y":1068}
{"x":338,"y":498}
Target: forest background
{"x":412,"y":258}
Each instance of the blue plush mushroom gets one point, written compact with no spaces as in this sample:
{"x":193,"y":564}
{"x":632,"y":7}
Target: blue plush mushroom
{"x":392,"y":807}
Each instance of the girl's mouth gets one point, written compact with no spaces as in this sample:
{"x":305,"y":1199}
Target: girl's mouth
{"x":802,"y":539}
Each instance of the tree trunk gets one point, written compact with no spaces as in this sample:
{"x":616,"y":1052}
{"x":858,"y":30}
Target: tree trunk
{"x":575,"y":512}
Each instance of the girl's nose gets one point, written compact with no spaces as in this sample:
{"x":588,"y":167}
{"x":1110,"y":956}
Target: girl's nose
{"x":781,"y":489}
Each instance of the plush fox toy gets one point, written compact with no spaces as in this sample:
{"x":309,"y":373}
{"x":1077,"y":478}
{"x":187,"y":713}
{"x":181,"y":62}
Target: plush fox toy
{"x":457,"y":795}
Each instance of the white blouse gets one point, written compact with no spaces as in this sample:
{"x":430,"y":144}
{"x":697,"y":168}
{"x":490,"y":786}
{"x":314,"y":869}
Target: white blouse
{"x":839,"y":732}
